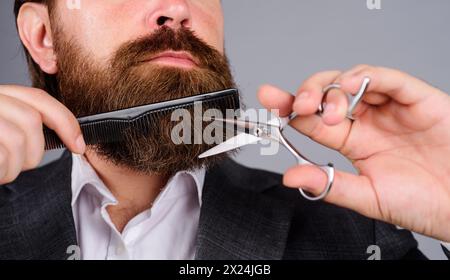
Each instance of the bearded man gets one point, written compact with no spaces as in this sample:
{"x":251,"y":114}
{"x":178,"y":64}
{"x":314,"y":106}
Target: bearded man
{"x":147,"y":198}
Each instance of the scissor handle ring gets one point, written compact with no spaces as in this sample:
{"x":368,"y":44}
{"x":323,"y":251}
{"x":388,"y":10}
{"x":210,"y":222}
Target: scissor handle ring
{"x":329,"y":170}
{"x":353,"y":100}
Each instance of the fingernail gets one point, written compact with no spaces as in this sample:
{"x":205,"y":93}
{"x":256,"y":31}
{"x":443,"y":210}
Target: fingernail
{"x":81,"y":145}
{"x":330,"y":108}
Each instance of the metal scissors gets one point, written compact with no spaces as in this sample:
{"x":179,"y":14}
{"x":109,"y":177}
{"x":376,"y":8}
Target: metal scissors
{"x":273,"y":131}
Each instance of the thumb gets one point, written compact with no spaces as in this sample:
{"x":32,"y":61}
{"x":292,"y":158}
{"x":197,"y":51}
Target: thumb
{"x":349,"y":191}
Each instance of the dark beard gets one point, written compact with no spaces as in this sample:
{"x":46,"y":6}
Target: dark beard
{"x":86,"y":89}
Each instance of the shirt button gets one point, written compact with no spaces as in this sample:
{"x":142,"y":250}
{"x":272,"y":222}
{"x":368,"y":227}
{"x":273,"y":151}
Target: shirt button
{"x":120,"y":250}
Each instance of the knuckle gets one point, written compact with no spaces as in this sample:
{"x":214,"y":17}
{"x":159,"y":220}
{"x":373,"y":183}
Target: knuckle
{"x":36,"y":152}
{"x":320,"y":78}
{"x":310,"y":82}
{"x":70,"y":117}
{"x":362,"y":67}
{"x":321,"y":75}
{"x":33,"y":161}
{"x":315,"y":76}
{"x":398,"y":73}
{"x":67,"y":117}
{"x":36,"y":156}
{"x":72,"y":127}
{"x":63,"y":119}
{"x":367,"y":72}
{"x":360,"y":70}
{"x":33,"y":118}
{"x":40,"y":92}
{"x":18,"y":138}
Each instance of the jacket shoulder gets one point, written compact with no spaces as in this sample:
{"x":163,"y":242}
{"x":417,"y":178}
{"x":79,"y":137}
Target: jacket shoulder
{"x":36,"y":220}
{"x":29,"y":181}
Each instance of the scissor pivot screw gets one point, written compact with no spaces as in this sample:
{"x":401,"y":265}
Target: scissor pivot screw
{"x":260,"y":131}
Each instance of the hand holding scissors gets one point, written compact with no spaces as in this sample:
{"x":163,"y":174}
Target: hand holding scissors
{"x":399,"y":143}
{"x":273,"y":131}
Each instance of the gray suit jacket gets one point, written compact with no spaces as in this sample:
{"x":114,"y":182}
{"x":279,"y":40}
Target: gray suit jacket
{"x":246,"y":214}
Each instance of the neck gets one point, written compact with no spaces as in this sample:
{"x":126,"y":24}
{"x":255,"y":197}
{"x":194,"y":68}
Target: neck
{"x":134,"y":191}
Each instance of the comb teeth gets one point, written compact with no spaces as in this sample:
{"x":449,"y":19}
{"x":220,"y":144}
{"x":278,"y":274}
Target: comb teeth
{"x":110,"y":130}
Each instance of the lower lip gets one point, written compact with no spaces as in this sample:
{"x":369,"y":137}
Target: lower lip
{"x":174,"y":62}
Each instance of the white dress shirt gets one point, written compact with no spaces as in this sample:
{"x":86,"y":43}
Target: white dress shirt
{"x":166,"y":231}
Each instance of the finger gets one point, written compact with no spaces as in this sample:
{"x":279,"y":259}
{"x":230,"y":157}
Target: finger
{"x":348,"y":191}
{"x":375,"y":98}
{"x":314,"y":127}
{"x":275,"y":99}
{"x":30,"y":122}
{"x":335,"y":107}
{"x":54,"y":115}
{"x":310,"y":94}
{"x":394,"y":84}
{"x":13,"y":140}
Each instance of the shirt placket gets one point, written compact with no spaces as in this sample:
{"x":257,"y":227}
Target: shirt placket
{"x":117,"y":248}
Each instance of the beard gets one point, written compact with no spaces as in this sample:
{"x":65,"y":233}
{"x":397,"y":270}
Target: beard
{"x":128,"y":81}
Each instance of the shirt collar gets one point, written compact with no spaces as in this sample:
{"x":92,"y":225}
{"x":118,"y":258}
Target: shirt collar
{"x":83,"y":174}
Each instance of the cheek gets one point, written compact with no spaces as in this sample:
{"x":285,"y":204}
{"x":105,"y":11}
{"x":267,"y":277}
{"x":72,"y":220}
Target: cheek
{"x":101,"y":28}
{"x":207,"y":22}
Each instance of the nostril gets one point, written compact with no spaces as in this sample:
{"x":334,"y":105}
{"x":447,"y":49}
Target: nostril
{"x":162,"y":20}
{"x":185,"y":23}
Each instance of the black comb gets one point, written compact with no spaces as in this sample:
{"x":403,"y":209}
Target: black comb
{"x":108,"y":127}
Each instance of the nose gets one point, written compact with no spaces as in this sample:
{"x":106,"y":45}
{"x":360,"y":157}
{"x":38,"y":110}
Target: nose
{"x":174,"y":14}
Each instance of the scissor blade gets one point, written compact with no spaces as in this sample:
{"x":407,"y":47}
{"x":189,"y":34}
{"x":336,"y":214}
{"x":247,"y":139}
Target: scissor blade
{"x":234,"y":143}
{"x":239,"y":123}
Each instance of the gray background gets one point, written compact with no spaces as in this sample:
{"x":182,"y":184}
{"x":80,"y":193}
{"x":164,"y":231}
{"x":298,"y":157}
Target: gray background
{"x":284,"y":42}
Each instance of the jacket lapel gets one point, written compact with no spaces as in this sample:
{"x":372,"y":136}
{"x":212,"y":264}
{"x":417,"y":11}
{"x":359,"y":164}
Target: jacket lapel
{"x":237,"y":222}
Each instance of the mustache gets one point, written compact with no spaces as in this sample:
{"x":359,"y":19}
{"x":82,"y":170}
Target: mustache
{"x":166,"y":39}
